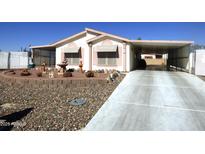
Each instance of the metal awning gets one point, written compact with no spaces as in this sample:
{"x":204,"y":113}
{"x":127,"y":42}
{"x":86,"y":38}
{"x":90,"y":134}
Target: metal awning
{"x":71,"y":50}
{"x":106,"y":48}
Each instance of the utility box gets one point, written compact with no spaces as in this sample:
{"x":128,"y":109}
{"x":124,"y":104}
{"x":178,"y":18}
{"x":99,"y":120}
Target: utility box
{"x":200,"y":62}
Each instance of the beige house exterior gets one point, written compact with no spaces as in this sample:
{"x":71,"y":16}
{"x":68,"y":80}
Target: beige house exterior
{"x":99,"y":50}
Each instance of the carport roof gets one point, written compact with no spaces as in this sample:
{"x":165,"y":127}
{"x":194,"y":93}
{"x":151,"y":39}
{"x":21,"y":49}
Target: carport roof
{"x":160,"y":43}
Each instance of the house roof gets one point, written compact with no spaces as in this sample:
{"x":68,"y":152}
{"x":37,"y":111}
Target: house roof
{"x":61,"y":41}
{"x":69,"y":38}
{"x":101,"y":35}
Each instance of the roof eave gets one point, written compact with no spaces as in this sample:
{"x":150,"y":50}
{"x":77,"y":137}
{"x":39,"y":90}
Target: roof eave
{"x":42,"y":46}
{"x":68,"y":38}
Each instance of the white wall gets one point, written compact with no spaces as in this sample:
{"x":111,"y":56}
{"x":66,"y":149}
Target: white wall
{"x":13,"y":60}
{"x":18,"y":59}
{"x":200,"y":62}
{"x":4,"y":60}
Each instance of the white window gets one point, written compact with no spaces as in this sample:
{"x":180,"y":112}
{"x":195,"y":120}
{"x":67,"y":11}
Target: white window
{"x":73,"y":58}
{"x":107,"y":58}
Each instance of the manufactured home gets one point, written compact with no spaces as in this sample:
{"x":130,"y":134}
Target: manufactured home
{"x":99,"y":50}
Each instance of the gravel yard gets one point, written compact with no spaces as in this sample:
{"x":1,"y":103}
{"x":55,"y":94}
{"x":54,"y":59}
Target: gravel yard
{"x":46,"y":108}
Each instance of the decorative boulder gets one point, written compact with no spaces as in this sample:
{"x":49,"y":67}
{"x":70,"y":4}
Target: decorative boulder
{"x":39,"y":74}
{"x":89,"y":74}
{"x":109,"y":79}
{"x":67,"y":74}
{"x":25,"y":73}
{"x":11,"y":72}
{"x":113,"y":76}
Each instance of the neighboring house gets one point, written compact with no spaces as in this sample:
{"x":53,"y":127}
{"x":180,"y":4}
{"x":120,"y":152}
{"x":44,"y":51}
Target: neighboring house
{"x":155,"y":61}
{"x":100,"y":50}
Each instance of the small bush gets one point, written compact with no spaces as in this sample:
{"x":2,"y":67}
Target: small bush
{"x":39,"y":74}
{"x":25,"y":73}
{"x":67,"y":74}
{"x":89,"y":74}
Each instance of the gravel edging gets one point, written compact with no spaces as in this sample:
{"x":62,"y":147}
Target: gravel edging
{"x":49,"y":110}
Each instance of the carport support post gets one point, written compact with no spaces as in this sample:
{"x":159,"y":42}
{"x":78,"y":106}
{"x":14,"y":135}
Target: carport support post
{"x":90,"y":56}
{"x":124,"y":57}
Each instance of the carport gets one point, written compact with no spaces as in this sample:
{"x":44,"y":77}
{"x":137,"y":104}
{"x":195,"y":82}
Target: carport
{"x":177,"y":54}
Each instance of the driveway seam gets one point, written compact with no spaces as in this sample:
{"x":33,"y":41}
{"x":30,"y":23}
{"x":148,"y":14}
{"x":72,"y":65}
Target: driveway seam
{"x":164,"y":107}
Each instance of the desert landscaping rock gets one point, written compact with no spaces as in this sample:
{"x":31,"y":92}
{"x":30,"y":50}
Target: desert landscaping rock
{"x":49,"y":110}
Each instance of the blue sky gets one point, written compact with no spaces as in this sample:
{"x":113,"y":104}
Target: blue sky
{"x":13,"y":36}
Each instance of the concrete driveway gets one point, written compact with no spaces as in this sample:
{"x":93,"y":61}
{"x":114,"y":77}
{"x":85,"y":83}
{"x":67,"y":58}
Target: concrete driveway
{"x":154,"y":100}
